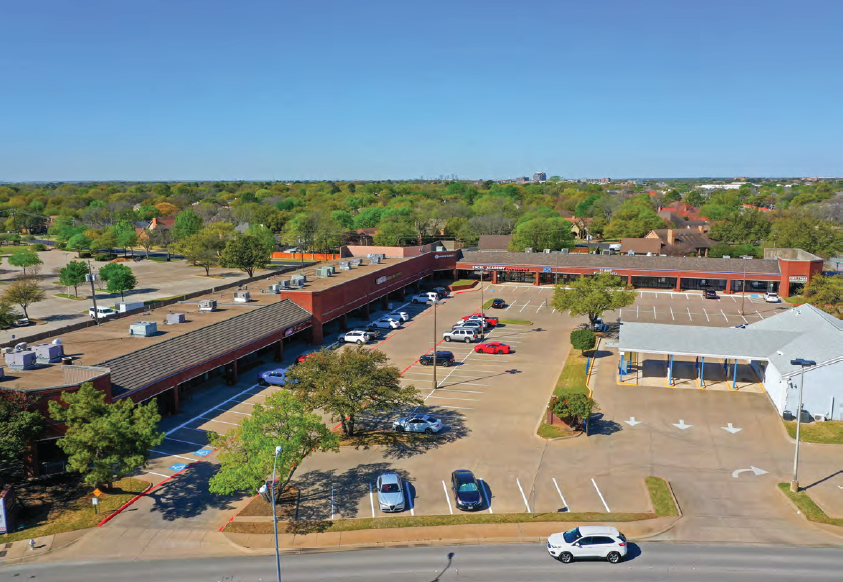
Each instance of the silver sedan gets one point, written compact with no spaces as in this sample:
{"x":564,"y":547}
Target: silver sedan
{"x":391,"y":492}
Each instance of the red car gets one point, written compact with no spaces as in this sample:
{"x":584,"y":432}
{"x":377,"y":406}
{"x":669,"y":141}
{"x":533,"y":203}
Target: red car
{"x":492,"y":348}
{"x":303,"y":357}
{"x":489,"y":319}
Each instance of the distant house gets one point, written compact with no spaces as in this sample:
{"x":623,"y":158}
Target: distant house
{"x":681,"y":222}
{"x":494,"y":242}
{"x":579,"y":226}
{"x":758,"y":208}
{"x":143,"y":227}
{"x":360,"y":237}
{"x":681,"y":242}
{"x":641,"y":246}
{"x":682,"y":209}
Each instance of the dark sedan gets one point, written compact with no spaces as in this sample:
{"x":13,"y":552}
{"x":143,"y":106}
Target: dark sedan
{"x":466,"y":490}
{"x":710,"y":294}
{"x":498,"y":303}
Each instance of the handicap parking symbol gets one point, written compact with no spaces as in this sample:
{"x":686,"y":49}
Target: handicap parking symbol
{"x":203,"y":452}
{"x":177,"y":467}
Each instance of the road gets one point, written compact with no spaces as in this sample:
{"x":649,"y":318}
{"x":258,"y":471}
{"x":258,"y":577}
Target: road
{"x":649,"y":562}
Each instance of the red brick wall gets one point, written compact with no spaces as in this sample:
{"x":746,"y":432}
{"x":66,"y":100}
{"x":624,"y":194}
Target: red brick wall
{"x":801,"y":269}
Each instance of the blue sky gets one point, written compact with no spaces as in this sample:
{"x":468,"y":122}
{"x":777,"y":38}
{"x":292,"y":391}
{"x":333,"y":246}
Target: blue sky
{"x":205,"y":89}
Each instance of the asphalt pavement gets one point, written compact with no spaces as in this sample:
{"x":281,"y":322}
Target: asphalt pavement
{"x":647,"y":562}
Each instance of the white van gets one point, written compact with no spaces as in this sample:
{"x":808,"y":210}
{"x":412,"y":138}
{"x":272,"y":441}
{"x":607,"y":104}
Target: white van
{"x":101,"y":312}
{"x":428,"y":297}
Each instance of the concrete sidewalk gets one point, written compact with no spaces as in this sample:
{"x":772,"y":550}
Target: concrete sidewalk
{"x":119,"y":543}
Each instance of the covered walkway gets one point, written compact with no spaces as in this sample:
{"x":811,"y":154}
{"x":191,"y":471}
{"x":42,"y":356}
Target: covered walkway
{"x":719,"y":358}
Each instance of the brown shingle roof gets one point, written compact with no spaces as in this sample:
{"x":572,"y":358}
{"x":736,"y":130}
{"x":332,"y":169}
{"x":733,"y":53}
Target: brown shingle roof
{"x":641,"y":246}
{"x":638,"y":262}
{"x":494,"y":242}
{"x":162,"y":360}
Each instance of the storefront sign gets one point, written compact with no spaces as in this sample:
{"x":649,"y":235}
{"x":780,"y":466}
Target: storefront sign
{"x":297,"y":328}
{"x":385,"y":278}
{"x":492,"y":268}
{"x":444,"y":256}
{"x":547,"y":270}
{"x":798,"y":279}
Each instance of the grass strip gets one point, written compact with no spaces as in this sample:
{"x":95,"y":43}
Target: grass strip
{"x":462,"y":282}
{"x":552,"y":431}
{"x":807,"y":506}
{"x":660,"y":496}
{"x":78,"y":513}
{"x":573,"y":376}
{"x":515,"y":322}
{"x":390,"y":522}
{"x":66,"y":296}
{"x":829,"y":432}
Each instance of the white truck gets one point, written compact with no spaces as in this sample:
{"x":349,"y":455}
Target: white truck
{"x":101,"y":312}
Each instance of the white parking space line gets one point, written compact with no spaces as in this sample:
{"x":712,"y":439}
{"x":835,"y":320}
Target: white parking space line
{"x":508,"y":307}
{"x":170,"y":455}
{"x":744,"y":319}
{"x":460,"y":391}
{"x":159,"y":474}
{"x":706,"y":314}
{"x":483,"y":492}
{"x":224,"y":402}
{"x":559,"y":491}
{"x":724,"y":315}
{"x":601,"y":497}
{"x":654,"y":312}
{"x":689,"y":314}
{"x":524,"y":497}
{"x":186,"y":442}
{"x":735,"y":299}
{"x":454,"y":407}
{"x":759,"y":315}
{"x":671,"y":314}
{"x":332,"y":501}
{"x":372,"y":500}
{"x":409,"y":498}
{"x":215,"y":420}
{"x":196,"y":429}
{"x":525,"y":306}
{"x":636,"y":312}
{"x":243,"y":413}
{"x":447,"y":498}
{"x":448,"y":398}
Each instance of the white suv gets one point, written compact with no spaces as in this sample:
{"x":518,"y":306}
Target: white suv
{"x":588,"y":541}
{"x":428,"y":297}
{"x":356,"y":336}
{"x":460,"y":334}
{"x":771,"y":297}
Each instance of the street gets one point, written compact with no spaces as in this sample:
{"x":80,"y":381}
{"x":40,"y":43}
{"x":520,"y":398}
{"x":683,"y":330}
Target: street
{"x":647,"y":562}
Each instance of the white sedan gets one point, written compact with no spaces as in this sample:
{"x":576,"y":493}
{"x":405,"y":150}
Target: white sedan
{"x":385,"y":323}
{"x":772,"y":298}
{"x":399,"y":315}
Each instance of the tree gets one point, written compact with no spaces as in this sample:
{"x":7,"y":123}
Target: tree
{"x":542,"y":233}
{"x":79,"y":242}
{"x":25,"y":258}
{"x":592,"y":296}
{"x":8,"y":317}
{"x":574,"y":408}
{"x":161,"y":237}
{"x":107,"y":241}
{"x":198,"y":249}
{"x":187,"y":223}
{"x":127,"y":238}
{"x":23,"y":292}
{"x":145,"y":242}
{"x":73,"y":275}
{"x":800,"y":229}
{"x":395,"y":231}
{"x":20,"y":427}
{"x":246,"y":253}
{"x":343,"y":383}
{"x":105,"y":440}
{"x":634,"y":218}
{"x":264,"y":235}
{"x":825,"y":291}
{"x":583,"y":339}
{"x":165,"y":209}
{"x":247,"y":452}
{"x":119,"y":277}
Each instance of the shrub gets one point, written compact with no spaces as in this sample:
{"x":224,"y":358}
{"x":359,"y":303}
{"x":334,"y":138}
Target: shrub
{"x":85,"y":254}
{"x":583,"y":339}
{"x":102,"y":256}
{"x":61,"y":245}
{"x":38,"y":247}
{"x":574,"y":409}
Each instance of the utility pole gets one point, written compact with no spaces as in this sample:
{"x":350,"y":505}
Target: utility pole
{"x":435,"y":337}
{"x":482,"y":306}
{"x":743,"y":284}
{"x":794,"y":483}
{"x":91,"y":277}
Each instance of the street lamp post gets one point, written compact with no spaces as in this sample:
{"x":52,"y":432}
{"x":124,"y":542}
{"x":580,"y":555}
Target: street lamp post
{"x":743,"y":285}
{"x":794,"y":483}
{"x":435,"y":336}
{"x":275,"y":518}
{"x":482,"y":306}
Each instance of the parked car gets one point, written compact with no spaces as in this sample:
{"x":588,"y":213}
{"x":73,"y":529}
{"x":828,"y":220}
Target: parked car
{"x":399,"y":315}
{"x":355,"y":336}
{"x":428,"y":297}
{"x":467,"y":495}
{"x":473,"y":324}
{"x":441,"y":291}
{"x":442,"y":359}
{"x":482,"y":321}
{"x":21,"y":321}
{"x":771,"y":297}
{"x":599,"y":325}
{"x":277,"y":377}
{"x":421,"y":423}
{"x":492,"y":348}
{"x":710,"y":294}
{"x":391,"y":492}
{"x":498,"y":303}
{"x":588,"y":541}
{"x":101,"y":312}
{"x":460,"y":334}
{"x":385,"y":323}
{"x":492,"y":320}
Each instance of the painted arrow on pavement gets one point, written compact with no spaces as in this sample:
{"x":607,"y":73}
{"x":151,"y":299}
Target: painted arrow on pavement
{"x":682,"y":425}
{"x":632,"y":421}
{"x":731,"y":429}
{"x":755,"y":470}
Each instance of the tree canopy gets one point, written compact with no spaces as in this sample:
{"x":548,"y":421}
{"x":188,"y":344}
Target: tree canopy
{"x":592,"y":295}
{"x":244,"y":252}
{"x":20,"y":426}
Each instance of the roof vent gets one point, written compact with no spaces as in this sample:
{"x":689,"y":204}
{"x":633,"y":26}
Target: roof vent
{"x":207,"y":305}
{"x":143,"y":329}
{"x":242,"y":296}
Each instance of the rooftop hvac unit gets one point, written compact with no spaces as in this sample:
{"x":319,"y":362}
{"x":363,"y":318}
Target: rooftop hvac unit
{"x":324,"y":271}
{"x":274,"y":288}
{"x":630,"y":253}
{"x":284,"y":284}
{"x":345,"y":266}
{"x":22,"y":360}
{"x":143,"y":329}
{"x":356,"y":262}
{"x":20,"y":347}
{"x":298,"y":280}
{"x":173,"y":318}
{"x":820,"y":418}
{"x":57,"y":341}
{"x":439,"y":248}
{"x":6,"y":350}
{"x":375,"y":260}
{"x":565,"y":251}
{"x":48,"y":353}
{"x":528,"y":250}
{"x":547,"y":251}
{"x":207,"y":305}
{"x":649,"y":254}
{"x":242,"y":296}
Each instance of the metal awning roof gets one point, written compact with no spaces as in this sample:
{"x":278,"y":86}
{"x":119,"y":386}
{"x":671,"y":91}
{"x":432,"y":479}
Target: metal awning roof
{"x":710,"y":342}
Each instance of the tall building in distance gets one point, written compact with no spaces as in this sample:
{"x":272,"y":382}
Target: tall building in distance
{"x":539,"y":177}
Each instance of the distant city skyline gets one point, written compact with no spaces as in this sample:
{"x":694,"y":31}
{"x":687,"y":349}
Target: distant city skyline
{"x":190,"y":90}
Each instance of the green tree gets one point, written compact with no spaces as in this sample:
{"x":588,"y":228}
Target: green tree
{"x":247,"y":452}
{"x":24,"y":259}
{"x":264,"y":235}
{"x":694,"y":198}
{"x":73,"y":275}
{"x":163,"y":238}
{"x":199,"y":250}
{"x":542,"y":233}
{"x":574,"y":408}
{"x":395,"y":231}
{"x":8,"y":317}
{"x":79,"y":242}
{"x":107,"y":241}
{"x":634,"y":219}
{"x":800,"y":229}
{"x":343,"y":219}
{"x":64,"y":228}
{"x":187,"y":223}
{"x":105,"y":440}
{"x":20,"y":427}
{"x":23,"y":292}
{"x":127,"y":238}
{"x":825,"y":293}
{"x":244,"y":252}
{"x":592,"y":296}
{"x":343,"y":383}
{"x":119,"y":278}
{"x":583,"y":339}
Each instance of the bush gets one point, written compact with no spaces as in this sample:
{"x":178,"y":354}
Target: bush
{"x":103,"y":256}
{"x":38,"y":247}
{"x":583,"y":339}
{"x":85,"y":254}
{"x":61,"y":245}
{"x":574,"y":409}
{"x":28,"y":237}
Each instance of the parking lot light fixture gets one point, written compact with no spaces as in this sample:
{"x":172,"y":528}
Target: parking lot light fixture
{"x":802,"y":363}
{"x":278,"y":451}
{"x":482,"y":306}
{"x":435,"y":338}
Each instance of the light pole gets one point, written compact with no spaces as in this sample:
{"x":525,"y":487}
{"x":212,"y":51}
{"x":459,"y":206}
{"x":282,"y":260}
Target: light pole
{"x":482,"y":307}
{"x":794,"y":483}
{"x":435,"y":337}
{"x":90,"y":276}
{"x":274,"y":518}
{"x":743,"y":284}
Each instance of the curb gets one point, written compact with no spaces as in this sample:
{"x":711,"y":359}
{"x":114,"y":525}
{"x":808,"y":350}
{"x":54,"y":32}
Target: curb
{"x":138,"y":496}
{"x":820,"y":526}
